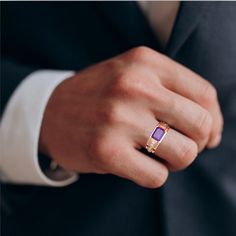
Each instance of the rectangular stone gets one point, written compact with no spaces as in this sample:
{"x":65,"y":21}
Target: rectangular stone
{"x":158,"y":134}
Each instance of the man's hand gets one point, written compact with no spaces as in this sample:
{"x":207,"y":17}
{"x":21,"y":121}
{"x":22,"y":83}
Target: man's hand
{"x":97,"y":121}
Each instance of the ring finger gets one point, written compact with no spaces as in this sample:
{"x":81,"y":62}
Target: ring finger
{"x":176,"y":149}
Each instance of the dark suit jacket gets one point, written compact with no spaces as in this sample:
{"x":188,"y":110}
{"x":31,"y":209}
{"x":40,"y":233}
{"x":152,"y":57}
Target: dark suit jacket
{"x":71,"y":35}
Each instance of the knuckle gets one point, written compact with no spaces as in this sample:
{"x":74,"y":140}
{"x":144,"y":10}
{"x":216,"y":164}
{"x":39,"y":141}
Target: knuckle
{"x":111,"y":114}
{"x":111,"y":65}
{"x":203,"y":125}
{"x":187,"y":154}
{"x":139,"y":53}
{"x":127,"y":84}
{"x":209,"y":93}
{"x":122,"y":83}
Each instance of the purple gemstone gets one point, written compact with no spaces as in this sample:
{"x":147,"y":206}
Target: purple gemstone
{"x":158,"y":133}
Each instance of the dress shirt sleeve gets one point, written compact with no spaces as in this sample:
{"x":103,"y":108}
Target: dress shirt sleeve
{"x":20,"y":129}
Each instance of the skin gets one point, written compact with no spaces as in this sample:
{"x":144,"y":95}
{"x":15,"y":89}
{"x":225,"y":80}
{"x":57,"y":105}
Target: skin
{"x":98,"y":120}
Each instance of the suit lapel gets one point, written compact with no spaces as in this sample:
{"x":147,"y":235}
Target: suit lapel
{"x":186,"y":22}
{"x":127,"y":19}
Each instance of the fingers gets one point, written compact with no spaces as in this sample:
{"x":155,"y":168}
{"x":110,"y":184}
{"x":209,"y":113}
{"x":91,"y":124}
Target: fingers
{"x":185,"y":116}
{"x":115,"y":153}
{"x":185,"y":82}
{"x":141,"y":169}
{"x":176,"y":149}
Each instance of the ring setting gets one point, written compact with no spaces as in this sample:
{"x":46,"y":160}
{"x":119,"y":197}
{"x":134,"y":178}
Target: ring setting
{"x":157,"y":136}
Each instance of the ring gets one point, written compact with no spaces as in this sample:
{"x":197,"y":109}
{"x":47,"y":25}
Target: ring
{"x":157,"y":136}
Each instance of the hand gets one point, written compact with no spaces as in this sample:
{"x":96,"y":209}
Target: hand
{"x":97,"y":121}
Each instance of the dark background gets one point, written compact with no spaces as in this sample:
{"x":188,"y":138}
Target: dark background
{"x":71,"y":35}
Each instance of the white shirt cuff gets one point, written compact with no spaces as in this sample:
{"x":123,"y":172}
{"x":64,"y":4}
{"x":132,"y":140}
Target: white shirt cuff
{"x":20,"y":129}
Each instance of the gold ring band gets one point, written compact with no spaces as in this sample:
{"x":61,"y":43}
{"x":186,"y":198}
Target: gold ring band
{"x":157,"y":136}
